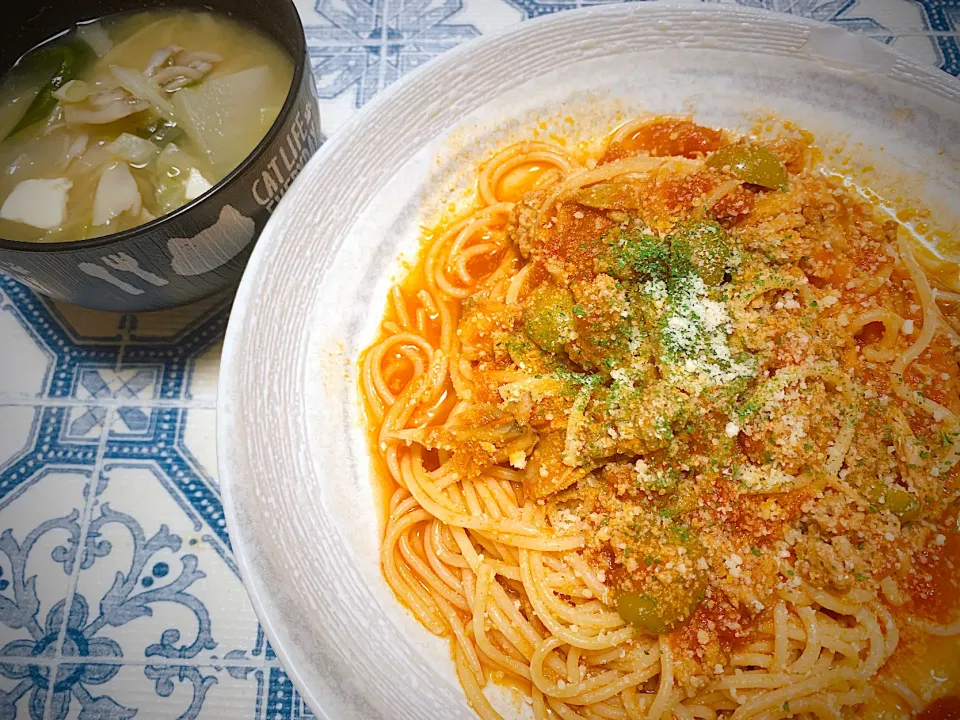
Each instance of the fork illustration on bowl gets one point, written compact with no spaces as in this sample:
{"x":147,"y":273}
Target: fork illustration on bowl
{"x":103,"y":274}
{"x":125,"y":263}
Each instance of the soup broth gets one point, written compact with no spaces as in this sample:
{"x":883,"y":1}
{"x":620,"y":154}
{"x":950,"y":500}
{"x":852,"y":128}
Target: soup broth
{"x":127,"y":118}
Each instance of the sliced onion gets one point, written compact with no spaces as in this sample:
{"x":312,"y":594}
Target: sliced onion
{"x":175,"y":85}
{"x":177,"y":71}
{"x":93,"y":160}
{"x":143,"y":88}
{"x":77,"y":148}
{"x":105,"y":97}
{"x":198,"y":56}
{"x":114,"y":111}
{"x":74,"y":91}
{"x":160,"y":57}
{"x":116,"y":194}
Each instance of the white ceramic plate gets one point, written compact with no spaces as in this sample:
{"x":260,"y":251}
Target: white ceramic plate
{"x":293,"y":458}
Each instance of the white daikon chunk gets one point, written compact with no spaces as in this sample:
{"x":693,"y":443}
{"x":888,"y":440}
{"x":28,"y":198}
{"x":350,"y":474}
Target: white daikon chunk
{"x":222,"y":115}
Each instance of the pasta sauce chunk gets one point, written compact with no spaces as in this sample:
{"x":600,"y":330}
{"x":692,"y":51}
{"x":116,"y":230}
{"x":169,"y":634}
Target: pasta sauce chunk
{"x":672,"y":431}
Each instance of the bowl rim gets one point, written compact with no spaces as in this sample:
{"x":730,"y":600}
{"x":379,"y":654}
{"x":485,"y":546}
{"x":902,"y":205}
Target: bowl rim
{"x":231,"y":427}
{"x":301,"y":64}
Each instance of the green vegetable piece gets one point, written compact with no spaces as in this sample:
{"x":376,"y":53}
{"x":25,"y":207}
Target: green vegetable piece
{"x":751,"y":163}
{"x":902,"y":504}
{"x":659,"y":608}
{"x":643,"y":611}
{"x":895,"y":499}
{"x":636,"y":255}
{"x":611,"y":195}
{"x":706,"y":246}
{"x":658,"y":613}
{"x":64,"y":61}
{"x":548,"y":317}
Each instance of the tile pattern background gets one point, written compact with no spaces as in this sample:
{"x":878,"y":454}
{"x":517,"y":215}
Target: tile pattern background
{"x":119,"y":595}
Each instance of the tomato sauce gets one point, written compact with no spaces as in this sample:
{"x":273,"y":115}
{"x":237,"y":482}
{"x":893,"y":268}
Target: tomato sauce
{"x":947,"y":708}
{"x":577,"y":238}
{"x":667,"y":137}
{"x":934,"y":584}
{"x":721,"y":622}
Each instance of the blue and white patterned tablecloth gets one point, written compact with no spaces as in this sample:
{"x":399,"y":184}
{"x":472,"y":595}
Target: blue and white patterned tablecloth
{"x":119,"y":596}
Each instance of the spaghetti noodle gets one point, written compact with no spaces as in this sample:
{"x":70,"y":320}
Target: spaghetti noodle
{"x":672,"y":431}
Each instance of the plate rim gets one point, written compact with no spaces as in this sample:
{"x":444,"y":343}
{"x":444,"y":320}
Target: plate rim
{"x":230,"y":427}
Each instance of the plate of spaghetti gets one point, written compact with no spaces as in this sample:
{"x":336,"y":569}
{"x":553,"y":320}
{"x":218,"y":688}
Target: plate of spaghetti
{"x":617,"y":381}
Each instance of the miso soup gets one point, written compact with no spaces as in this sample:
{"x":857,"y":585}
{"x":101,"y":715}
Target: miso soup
{"x":127,"y":118}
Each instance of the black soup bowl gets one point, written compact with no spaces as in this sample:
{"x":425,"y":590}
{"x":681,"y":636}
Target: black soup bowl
{"x":202,"y":247}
